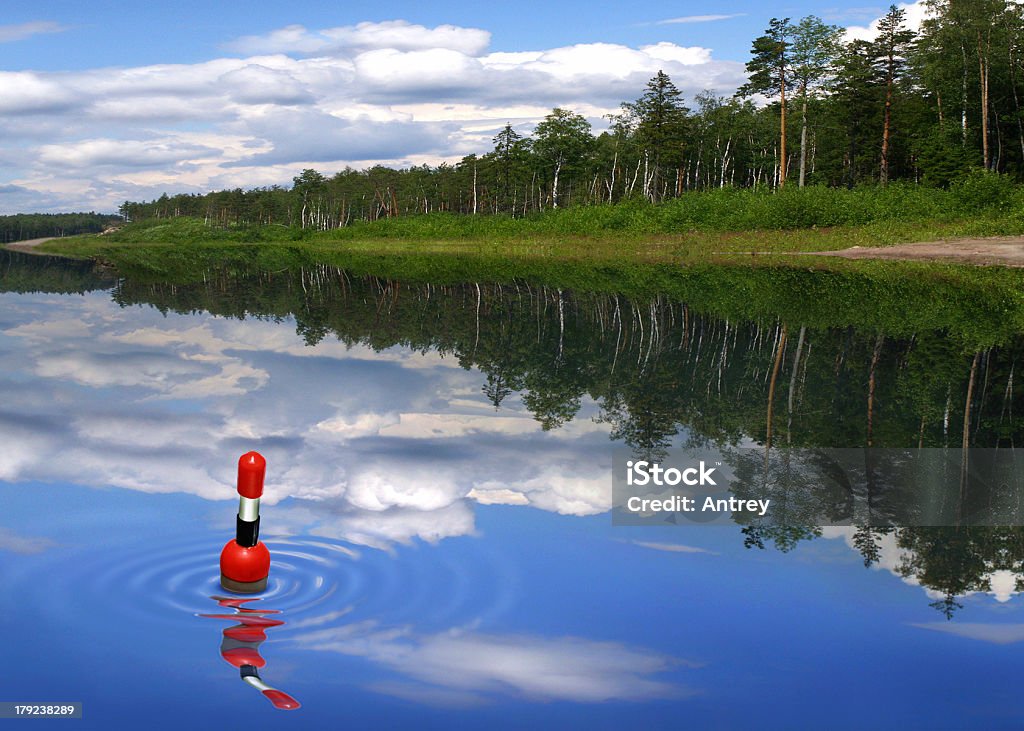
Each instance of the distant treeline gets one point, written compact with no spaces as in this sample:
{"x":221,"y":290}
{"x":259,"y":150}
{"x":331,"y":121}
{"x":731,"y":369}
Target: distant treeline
{"x":925,"y":107}
{"x":24,"y":226}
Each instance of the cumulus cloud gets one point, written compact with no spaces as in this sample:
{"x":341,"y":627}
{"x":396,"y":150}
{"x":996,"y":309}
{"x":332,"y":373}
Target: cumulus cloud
{"x":310,"y":135}
{"x":258,"y":84}
{"x":120,"y":153}
{"x":21,"y":31}
{"x":392,"y":93}
{"x":398,"y":35}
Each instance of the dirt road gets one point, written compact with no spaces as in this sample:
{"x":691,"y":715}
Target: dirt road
{"x":1000,"y":250}
{"x":28,"y":245}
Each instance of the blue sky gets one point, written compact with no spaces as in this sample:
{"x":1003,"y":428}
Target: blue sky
{"x":104,"y":103}
{"x":103,"y":33}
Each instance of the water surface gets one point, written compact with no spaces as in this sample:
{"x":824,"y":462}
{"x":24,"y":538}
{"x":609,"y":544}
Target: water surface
{"x":437,"y":507}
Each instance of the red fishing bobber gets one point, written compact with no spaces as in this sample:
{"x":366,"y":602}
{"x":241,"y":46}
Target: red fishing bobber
{"x":245,"y":562}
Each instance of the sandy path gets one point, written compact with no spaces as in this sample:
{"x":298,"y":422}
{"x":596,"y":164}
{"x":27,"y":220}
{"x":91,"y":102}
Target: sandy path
{"x":28,"y":245}
{"x":1001,"y":250}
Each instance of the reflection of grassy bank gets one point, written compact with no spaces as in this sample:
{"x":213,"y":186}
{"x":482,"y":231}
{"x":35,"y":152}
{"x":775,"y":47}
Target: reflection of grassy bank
{"x":976,"y":305}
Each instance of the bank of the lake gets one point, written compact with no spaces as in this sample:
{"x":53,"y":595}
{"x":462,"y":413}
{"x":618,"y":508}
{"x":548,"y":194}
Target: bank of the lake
{"x":975,"y":306}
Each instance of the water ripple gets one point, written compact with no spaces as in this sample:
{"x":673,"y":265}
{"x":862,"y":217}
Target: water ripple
{"x":314,"y":581}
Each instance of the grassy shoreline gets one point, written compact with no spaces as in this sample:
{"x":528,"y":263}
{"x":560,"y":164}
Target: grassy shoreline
{"x":629,"y":246}
{"x":975,"y":305}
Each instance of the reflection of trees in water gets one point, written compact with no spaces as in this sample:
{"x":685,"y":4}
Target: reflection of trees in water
{"x":26,"y":273}
{"x":655,"y":366}
{"x":951,"y":562}
{"x":659,"y":366}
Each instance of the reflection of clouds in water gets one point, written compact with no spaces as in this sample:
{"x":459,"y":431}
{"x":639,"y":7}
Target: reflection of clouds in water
{"x":1002,"y":583}
{"x":465,"y":666}
{"x":673,"y":547}
{"x":378,"y":529}
{"x":391,"y":444}
{"x":997,"y":634}
{"x":11,"y":541}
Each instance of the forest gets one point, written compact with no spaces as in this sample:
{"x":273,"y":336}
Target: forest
{"x":22,"y":226}
{"x":924,"y":107}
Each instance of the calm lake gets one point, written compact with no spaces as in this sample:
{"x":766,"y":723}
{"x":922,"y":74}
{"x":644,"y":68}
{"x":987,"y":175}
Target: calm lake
{"x":438,"y":507}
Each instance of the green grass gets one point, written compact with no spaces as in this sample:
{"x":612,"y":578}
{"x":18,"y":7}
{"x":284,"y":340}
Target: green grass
{"x":683,"y":248}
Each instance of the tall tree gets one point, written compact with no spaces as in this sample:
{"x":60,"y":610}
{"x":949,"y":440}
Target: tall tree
{"x":658,"y":119}
{"x":815,"y":49}
{"x":562,"y":142}
{"x":891,"y":48}
{"x":770,"y":73}
{"x":509,"y":153}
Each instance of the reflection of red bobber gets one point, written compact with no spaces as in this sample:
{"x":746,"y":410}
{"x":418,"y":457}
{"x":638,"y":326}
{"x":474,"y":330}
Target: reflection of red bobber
{"x":241,"y":646}
{"x":245,"y":562}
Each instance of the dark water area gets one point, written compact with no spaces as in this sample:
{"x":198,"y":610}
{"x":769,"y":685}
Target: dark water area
{"x":438,"y":506}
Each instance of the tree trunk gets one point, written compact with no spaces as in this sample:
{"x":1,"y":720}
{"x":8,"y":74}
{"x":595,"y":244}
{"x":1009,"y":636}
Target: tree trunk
{"x":983,"y":84}
{"x":876,"y":354}
{"x":1016,"y":101}
{"x":803,"y":135}
{"x":771,"y":388}
{"x":782,"y":128}
{"x":554,"y":185}
{"x":474,"y":189}
{"x":963,"y":96}
{"x":883,"y":172}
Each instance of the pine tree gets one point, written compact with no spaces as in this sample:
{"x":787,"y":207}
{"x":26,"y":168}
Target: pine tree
{"x":890,"y":51}
{"x":659,"y":121}
{"x":770,"y":73}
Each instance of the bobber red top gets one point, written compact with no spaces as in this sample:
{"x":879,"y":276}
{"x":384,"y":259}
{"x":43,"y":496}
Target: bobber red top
{"x":251,"y":469}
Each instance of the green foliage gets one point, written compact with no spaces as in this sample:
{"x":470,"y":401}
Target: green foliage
{"x":985,"y":191}
{"x":722,"y":210}
{"x":941,"y":157}
{"x":22,"y":226}
{"x":770,"y":67}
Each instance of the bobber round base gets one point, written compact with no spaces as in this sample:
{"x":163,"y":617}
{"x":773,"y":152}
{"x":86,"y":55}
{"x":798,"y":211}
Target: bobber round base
{"x":243,"y":587}
{"x":244,"y":569}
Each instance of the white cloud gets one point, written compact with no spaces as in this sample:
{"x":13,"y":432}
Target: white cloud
{"x":686,"y":19}
{"x":27,"y":92}
{"x":290,"y":39}
{"x":916,"y":12}
{"x":404,"y":36}
{"x":121,"y":153}
{"x":397,"y":35}
{"x":259,"y":84}
{"x":21,"y":31}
